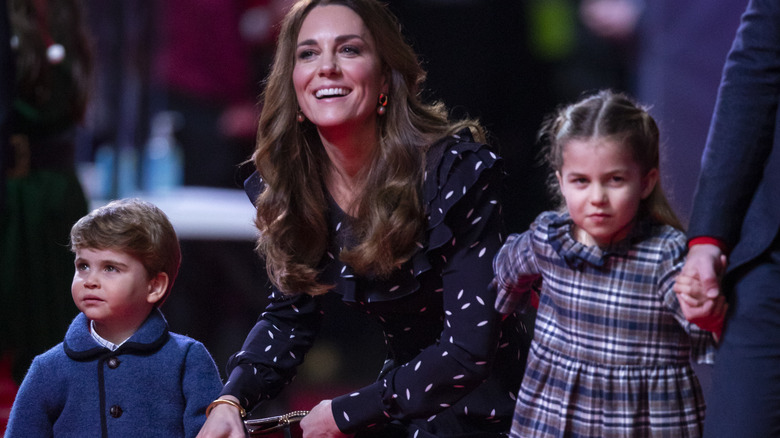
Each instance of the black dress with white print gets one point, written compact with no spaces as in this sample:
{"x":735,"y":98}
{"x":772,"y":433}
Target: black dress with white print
{"x":453,"y":365}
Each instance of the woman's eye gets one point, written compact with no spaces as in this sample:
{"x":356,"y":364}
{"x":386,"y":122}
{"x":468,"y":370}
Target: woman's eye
{"x":305,"y":54}
{"x":351,"y":50}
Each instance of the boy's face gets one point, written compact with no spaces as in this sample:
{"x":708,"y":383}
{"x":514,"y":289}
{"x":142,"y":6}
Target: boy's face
{"x":113,"y":289}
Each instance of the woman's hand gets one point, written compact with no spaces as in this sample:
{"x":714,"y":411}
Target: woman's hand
{"x":319,"y":423}
{"x":223,"y":421}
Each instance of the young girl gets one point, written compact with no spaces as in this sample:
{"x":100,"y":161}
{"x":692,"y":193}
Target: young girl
{"x":611,"y":350}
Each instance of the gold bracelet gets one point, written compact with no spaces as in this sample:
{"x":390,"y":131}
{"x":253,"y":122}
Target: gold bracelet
{"x":212,"y":405}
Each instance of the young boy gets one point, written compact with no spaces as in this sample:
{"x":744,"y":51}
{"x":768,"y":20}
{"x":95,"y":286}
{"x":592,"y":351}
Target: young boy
{"x":119,"y":371}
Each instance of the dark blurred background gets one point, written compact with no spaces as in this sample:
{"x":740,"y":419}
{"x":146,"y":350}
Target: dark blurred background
{"x":177,"y":82}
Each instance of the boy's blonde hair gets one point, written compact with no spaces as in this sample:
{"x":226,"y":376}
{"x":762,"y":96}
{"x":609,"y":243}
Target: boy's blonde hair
{"x":136,"y":227}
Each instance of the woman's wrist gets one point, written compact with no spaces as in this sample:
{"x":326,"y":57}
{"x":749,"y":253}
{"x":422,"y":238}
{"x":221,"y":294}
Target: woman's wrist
{"x":227,"y":400}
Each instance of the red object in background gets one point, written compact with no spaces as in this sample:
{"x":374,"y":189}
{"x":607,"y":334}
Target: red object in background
{"x":8,"y":390}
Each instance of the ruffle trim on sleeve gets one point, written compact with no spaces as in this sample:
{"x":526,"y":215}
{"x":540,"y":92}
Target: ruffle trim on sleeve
{"x":462,"y":163}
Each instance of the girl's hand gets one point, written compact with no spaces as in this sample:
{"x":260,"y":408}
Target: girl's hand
{"x":708,"y":313}
{"x":707,"y":263}
{"x":690,"y":291}
{"x":711,"y":315}
{"x":223,"y":421}
{"x":319,"y":423}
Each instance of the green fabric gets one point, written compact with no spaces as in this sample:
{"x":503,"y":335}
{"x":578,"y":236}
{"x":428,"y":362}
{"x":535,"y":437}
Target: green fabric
{"x":36,"y":268}
{"x":552,"y":28}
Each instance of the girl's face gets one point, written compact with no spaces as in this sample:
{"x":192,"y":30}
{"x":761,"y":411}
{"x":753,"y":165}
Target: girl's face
{"x":602,"y":186}
{"x":337,"y":74}
{"x":113,"y":289}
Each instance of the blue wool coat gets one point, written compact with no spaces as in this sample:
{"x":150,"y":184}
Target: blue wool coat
{"x":157,"y":384}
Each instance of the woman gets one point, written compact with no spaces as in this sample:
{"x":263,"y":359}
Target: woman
{"x":369,"y":193}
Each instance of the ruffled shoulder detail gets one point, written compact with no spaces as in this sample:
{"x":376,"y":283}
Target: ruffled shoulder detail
{"x":462,"y":163}
{"x":558,"y":226}
{"x":454,"y":165}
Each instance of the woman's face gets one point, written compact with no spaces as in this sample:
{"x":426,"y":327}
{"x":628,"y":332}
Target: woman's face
{"x":338,"y":73}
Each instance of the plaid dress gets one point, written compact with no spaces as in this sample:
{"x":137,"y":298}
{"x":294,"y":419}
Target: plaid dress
{"x":611,"y":350}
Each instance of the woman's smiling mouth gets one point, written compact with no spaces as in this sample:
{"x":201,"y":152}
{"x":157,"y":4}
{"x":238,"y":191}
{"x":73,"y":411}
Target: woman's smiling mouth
{"x":331,"y":92}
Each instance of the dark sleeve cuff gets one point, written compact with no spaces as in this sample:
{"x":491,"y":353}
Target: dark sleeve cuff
{"x":359,"y":410}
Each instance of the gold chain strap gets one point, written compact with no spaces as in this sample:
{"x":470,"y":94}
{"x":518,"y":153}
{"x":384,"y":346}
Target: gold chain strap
{"x":285,"y":419}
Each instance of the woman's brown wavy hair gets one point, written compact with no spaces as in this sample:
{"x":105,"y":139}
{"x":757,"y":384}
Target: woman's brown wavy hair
{"x":292,"y":210}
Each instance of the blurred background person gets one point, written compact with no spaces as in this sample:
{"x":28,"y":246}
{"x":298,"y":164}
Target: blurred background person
{"x":42,"y":196}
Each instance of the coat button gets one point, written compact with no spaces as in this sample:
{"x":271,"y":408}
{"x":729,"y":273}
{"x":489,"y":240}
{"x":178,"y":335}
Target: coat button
{"x":113,"y":363}
{"x":115,"y":411}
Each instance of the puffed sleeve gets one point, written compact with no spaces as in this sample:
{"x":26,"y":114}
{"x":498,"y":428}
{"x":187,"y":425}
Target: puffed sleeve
{"x":464,"y":233}
{"x":276,"y":345}
{"x":517,"y":272}
{"x":274,"y":348}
